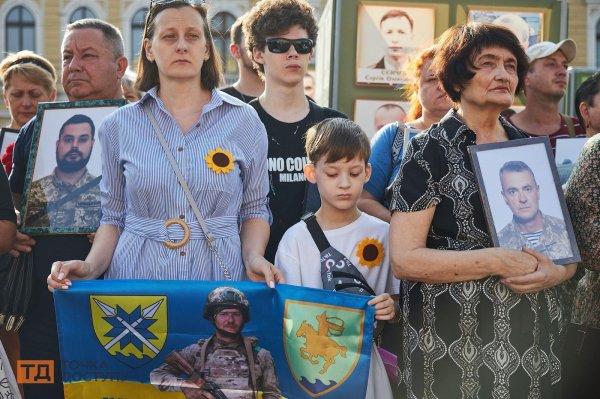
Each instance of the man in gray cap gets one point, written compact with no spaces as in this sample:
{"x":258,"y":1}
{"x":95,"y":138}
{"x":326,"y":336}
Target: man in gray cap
{"x":545,"y":85}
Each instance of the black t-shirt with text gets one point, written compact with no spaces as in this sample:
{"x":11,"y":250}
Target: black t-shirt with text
{"x":286,"y":160}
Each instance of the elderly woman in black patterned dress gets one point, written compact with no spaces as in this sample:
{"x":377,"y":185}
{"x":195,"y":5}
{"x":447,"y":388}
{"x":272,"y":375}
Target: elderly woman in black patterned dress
{"x":479,"y":322}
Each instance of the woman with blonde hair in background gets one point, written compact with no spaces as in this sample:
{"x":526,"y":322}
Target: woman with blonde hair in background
{"x":428,"y":104}
{"x":27,"y":79}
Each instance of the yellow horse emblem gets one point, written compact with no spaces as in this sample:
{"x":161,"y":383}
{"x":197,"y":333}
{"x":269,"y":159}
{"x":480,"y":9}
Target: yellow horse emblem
{"x":318,"y":342}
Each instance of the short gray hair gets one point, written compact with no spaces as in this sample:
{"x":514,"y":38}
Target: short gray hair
{"x":112,"y":34}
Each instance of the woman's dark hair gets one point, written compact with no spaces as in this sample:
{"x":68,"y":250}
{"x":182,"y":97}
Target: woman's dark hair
{"x":459,"y":45}
{"x":211,"y":74}
{"x":586,"y":93}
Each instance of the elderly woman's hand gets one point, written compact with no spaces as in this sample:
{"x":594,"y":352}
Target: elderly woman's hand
{"x":513,"y":263}
{"x":547,"y":274}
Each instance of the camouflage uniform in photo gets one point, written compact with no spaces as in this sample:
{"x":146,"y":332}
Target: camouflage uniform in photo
{"x":227,"y":367}
{"x":554,"y":240}
{"x":81,"y":211}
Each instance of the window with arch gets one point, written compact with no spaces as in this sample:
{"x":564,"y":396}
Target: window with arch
{"x":81,"y":13}
{"x":137,"y":32}
{"x":19,"y":30}
{"x":220,"y":25}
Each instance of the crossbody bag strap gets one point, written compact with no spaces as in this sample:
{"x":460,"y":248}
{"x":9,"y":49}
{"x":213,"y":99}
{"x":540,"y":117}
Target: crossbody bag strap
{"x":569,"y":122}
{"x":188,"y":194}
{"x":316,"y":232}
{"x":353,"y":276}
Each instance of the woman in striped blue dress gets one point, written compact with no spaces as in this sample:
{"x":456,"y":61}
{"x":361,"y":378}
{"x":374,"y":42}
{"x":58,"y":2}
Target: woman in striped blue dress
{"x":220,"y":146}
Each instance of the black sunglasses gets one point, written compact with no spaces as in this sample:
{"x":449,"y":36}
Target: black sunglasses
{"x":279,"y":45}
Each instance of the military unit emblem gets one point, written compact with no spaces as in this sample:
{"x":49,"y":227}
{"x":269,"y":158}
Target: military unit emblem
{"x":321,"y":358}
{"x":133,"y":329}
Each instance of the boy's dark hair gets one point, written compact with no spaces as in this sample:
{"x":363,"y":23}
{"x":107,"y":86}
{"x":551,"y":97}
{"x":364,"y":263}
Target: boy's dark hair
{"x":459,"y":45}
{"x":276,"y":17}
{"x":337,"y":138}
{"x":586,"y":93}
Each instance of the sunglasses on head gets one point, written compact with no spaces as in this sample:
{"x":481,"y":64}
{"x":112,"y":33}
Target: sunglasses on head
{"x":280,"y":45}
{"x":161,"y":2}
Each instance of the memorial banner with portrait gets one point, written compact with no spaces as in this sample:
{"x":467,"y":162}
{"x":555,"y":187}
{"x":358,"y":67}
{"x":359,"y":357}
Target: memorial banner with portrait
{"x":372,"y":115}
{"x":389,"y":36}
{"x":155,"y":339}
{"x":522,"y":197}
{"x":62,"y":193}
{"x":527,"y":25}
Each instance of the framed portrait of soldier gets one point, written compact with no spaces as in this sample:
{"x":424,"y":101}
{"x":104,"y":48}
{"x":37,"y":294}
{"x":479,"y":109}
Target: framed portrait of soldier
{"x":389,"y":36}
{"x":528,"y":26}
{"x":522,"y":197}
{"x":62,"y":191}
{"x":7,"y":137}
{"x":372,"y":115}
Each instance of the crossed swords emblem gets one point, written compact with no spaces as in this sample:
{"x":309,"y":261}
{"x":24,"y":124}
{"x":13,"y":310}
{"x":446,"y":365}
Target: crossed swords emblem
{"x":147,"y":313}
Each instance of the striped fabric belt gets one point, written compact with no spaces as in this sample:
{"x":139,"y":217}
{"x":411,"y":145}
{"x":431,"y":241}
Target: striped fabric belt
{"x":155,"y":229}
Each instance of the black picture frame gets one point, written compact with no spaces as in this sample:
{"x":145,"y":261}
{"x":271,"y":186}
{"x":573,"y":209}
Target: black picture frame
{"x":75,"y":210}
{"x":500,"y":206}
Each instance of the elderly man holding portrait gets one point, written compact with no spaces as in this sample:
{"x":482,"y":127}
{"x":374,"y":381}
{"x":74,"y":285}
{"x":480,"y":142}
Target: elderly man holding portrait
{"x":478,"y":321}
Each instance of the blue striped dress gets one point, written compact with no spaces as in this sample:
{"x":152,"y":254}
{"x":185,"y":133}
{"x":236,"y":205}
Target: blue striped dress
{"x":140,"y":190}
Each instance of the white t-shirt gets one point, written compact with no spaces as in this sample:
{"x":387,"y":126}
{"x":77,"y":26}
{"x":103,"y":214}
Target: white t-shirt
{"x":299,"y":259}
{"x":365,"y":243}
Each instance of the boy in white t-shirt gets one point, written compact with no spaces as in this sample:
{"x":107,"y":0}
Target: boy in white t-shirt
{"x":338,"y":152}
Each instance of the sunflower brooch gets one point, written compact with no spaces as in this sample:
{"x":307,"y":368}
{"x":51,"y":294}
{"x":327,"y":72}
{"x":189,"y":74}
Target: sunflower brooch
{"x":370,"y":252}
{"x":219,"y":160}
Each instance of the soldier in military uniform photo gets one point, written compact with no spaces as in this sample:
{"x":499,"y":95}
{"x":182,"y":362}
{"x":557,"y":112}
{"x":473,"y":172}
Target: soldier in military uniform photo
{"x":529,"y":226}
{"x":225,"y":365}
{"x":70,"y":196}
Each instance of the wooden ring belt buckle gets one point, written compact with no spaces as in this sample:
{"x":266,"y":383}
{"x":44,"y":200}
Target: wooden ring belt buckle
{"x":186,"y":233}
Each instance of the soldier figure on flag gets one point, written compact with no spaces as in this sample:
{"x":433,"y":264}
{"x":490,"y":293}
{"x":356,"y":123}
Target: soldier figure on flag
{"x":227,"y":364}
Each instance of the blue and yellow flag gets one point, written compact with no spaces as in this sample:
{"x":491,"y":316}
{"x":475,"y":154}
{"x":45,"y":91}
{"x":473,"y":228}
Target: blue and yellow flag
{"x":117,"y":340}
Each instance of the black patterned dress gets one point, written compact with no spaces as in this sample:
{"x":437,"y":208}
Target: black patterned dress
{"x":473,"y":339}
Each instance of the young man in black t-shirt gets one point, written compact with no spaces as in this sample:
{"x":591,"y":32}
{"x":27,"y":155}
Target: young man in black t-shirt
{"x":281,"y":35}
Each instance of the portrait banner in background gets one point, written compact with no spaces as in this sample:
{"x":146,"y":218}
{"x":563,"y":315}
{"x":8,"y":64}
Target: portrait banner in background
{"x":114,"y":333}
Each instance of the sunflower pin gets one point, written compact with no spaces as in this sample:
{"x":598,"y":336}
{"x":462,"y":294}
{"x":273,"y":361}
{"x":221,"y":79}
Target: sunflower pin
{"x":370,"y":252}
{"x":219,"y":160}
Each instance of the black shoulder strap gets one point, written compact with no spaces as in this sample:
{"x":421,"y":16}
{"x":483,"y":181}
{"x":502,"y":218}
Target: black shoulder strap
{"x":338,"y":273}
{"x":316,"y":232}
